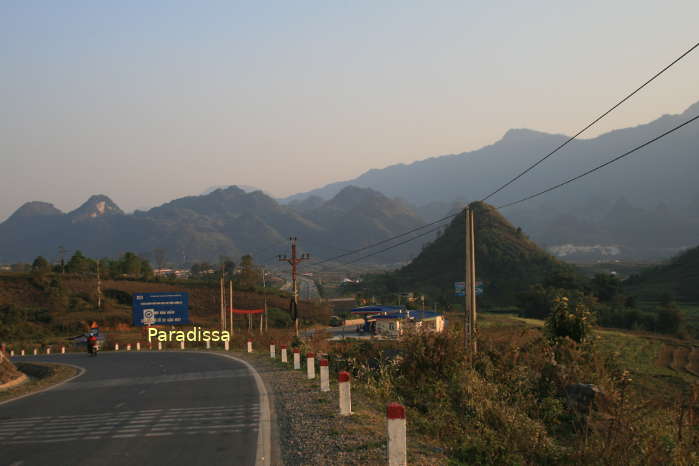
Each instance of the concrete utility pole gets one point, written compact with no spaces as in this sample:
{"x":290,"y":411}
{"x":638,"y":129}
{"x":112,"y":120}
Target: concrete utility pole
{"x":99,"y":287}
{"x":223,"y":302}
{"x":294,"y":261}
{"x":264,"y":291}
{"x":469,"y":282}
{"x":230,"y":304}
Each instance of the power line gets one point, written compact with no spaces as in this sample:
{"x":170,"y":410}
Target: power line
{"x":615,"y":159}
{"x":531,"y":167}
{"x":354,"y":251}
{"x":600,"y":166}
{"x":398,"y":244}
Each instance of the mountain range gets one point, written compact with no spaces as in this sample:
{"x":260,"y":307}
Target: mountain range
{"x":226,"y":222}
{"x":644,"y":207}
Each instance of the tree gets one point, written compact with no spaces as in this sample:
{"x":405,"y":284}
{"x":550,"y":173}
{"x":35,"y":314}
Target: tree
{"x":79,"y":264}
{"x":569,"y":319}
{"x":669,"y":319}
{"x":249,"y":274}
{"x":606,"y":286}
{"x":41,"y":265}
{"x":131,"y":264}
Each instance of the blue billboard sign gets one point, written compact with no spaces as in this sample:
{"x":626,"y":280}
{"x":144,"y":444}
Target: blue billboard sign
{"x":161,"y":308}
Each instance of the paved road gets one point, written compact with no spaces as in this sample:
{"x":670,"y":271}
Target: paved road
{"x":137,"y":408}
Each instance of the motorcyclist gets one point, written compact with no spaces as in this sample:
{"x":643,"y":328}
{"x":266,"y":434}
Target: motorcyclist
{"x":91,"y":343}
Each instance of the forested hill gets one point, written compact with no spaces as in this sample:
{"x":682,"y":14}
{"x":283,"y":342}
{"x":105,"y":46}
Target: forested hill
{"x":679,"y":276}
{"x":507,"y":262}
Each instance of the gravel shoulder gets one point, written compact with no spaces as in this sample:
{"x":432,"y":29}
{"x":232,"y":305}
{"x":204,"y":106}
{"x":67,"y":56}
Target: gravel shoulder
{"x":310,"y":430}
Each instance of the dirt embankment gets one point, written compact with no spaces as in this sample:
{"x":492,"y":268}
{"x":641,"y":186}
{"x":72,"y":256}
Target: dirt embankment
{"x":8,"y":371}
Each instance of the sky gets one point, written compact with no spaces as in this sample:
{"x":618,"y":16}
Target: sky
{"x":149,"y":101}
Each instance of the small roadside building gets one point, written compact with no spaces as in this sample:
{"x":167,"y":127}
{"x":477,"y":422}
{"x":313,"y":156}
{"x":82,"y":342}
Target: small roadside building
{"x":397,"y":323}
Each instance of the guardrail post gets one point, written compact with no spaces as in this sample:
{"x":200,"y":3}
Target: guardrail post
{"x":116,"y":346}
{"x":12,"y":353}
{"x":297,"y":359}
{"x":284,"y":358}
{"x":311,"y":365}
{"x":182,"y":345}
{"x":36,"y":351}
{"x":225,"y":345}
{"x":160,"y":346}
{"x":48,"y":350}
{"x":249,"y":345}
{"x":21,"y":353}
{"x":397,"y":445}
{"x":63,"y":350}
{"x":343,"y":384}
{"x":128,"y":347}
{"x":324,"y":376}
{"x":272,"y":351}
{"x":208,"y":344}
{"x":138,"y":346}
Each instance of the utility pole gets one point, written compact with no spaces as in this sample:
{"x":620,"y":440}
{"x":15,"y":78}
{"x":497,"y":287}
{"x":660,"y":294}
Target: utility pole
{"x":223,"y":302}
{"x":99,"y":287}
{"x":230,"y":304}
{"x":62,"y":252}
{"x":294,"y":261}
{"x":469,"y":282}
{"x":264,"y":291}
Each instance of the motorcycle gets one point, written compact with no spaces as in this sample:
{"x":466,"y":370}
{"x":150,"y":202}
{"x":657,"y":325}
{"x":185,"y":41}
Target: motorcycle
{"x":92,"y":350}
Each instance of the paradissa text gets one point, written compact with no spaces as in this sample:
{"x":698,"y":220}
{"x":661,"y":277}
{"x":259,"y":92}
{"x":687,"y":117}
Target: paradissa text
{"x":196,"y":334}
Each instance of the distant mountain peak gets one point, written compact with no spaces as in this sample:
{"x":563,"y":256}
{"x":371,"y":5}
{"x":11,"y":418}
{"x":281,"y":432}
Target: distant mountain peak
{"x":523,"y":135}
{"x":35,"y":208}
{"x":97,"y":205}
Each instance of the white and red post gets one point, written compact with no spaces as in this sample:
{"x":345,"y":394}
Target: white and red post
{"x":182,"y":345}
{"x":324,"y":376}
{"x":116,"y":346}
{"x":48,"y":350}
{"x":12,"y":353}
{"x":284,"y":358}
{"x":138,"y":346}
{"x":208,"y":344}
{"x":397,"y":444}
{"x":21,"y":353}
{"x":297,"y":359}
{"x":272,"y":351}
{"x":249,"y":345}
{"x":226,"y":345}
{"x":160,"y":345}
{"x":63,"y":350}
{"x":36,"y":351}
{"x":343,"y":385}
{"x":311,"y":365}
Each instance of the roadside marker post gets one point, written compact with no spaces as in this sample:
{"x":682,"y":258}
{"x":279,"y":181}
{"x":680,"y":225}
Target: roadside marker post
{"x":63,"y":350}
{"x":311,"y":365}
{"x":48,"y":350}
{"x":343,"y":384}
{"x":272,"y":351}
{"x":138,"y":346}
{"x":297,"y":359}
{"x":182,"y":345}
{"x":116,"y":346}
{"x":208,"y":344}
{"x":12,"y":353}
{"x":284,"y":358}
{"x":249,"y":345}
{"x":21,"y":353}
{"x":128,"y":347}
{"x":160,"y":346}
{"x":324,"y":376}
{"x":225,"y":345}
{"x":397,"y":445}
{"x":35,"y":351}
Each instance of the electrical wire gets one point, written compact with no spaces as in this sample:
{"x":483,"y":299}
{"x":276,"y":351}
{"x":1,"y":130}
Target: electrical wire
{"x":541,"y":160}
{"x":598,"y":167}
{"x":397,"y":244}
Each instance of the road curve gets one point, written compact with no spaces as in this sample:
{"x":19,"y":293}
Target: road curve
{"x":137,"y":408}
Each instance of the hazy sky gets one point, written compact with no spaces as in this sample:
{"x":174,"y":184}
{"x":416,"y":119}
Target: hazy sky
{"x":146,"y":101}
